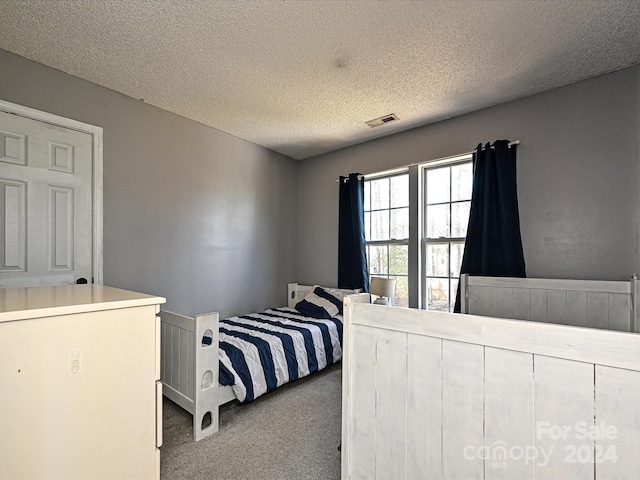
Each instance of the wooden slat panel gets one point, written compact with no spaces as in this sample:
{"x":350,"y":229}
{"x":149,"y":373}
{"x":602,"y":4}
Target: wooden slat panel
{"x":635,"y":305}
{"x":615,"y":349}
{"x":489,"y":302}
{"x":184,"y":364}
{"x":619,"y":312}
{"x":522,"y":304}
{"x":475,"y":300}
{"x":462,"y":416}
{"x":509,"y":414}
{"x":167,"y":363}
{"x":552,"y":284}
{"x":539,"y":306}
{"x":424,"y":407}
{"x":174,"y":358}
{"x":617,"y":416}
{"x":585,"y":303}
{"x":597,"y":310}
{"x":563,"y":397}
{"x":539,"y":404}
{"x":576,"y":309}
{"x":504,"y":302}
{"x":556,"y":306}
{"x":391,"y":404}
{"x":177,"y":359}
{"x":362,"y":404}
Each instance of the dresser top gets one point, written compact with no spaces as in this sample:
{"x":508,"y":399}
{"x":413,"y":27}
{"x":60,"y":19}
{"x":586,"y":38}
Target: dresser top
{"x":35,"y":302}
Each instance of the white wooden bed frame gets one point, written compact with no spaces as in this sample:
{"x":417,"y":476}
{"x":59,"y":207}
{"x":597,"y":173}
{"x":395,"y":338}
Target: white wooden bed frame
{"x":610,"y":305}
{"x":439,"y":395}
{"x":189,"y":369}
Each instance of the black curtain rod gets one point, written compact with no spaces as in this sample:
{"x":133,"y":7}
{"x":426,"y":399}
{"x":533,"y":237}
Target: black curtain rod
{"x":346,"y":179}
{"x":515,"y":142}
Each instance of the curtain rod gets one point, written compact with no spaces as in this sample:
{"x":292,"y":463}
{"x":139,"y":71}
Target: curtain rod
{"x":437,"y":161}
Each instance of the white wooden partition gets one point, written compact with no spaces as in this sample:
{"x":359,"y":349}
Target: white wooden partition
{"x":434,"y":395}
{"x":610,"y":305}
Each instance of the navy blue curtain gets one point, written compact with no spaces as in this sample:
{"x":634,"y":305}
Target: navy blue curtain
{"x":494,"y":245}
{"x":353,"y":271}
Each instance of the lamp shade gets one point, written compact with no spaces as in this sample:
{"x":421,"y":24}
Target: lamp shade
{"x":383,"y":287}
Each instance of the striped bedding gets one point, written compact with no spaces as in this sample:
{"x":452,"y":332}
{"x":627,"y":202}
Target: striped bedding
{"x":261,"y":351}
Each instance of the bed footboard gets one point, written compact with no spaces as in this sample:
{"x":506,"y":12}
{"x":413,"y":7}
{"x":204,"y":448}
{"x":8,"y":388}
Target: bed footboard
{"x":609,"y":305}
{"x":189,"y":367}
{"x":438,"y":395}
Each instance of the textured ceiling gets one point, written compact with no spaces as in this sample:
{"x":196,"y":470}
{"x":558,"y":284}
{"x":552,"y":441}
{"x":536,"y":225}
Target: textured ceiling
{"x":302,"y":77}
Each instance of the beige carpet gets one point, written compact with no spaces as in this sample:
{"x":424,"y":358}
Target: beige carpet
{"x":291,"y":433}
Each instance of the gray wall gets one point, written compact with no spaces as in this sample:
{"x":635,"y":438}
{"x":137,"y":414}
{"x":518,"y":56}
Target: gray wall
{"x":214,"y":223}
{"x":578,"y":172}
{"x":190,"y":213}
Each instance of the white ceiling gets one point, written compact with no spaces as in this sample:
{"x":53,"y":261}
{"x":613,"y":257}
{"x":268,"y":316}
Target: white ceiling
{"x":302,"y":77}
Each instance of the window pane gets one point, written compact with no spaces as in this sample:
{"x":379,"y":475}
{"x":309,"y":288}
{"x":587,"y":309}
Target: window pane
{"x":398,"y":260}
{"x":400,"y":191}
{"x":461,"y":181}
{"x":437,"y":261}
{"x":438,"y":294}
{"x":460,"y":218}
{"x":457,"y":249}
{"x":378,"y":260}
{"x":379,"y":194}
{"x":402,"y":292}
{"x":437,"y":185}
{"x":379,"y":225}
{"x":438,"y":221}
{"x":367,"y":225}
{"x":399,"y":227}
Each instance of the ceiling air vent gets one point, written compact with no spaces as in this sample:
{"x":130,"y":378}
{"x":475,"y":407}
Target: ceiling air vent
{"x":376,"y":122}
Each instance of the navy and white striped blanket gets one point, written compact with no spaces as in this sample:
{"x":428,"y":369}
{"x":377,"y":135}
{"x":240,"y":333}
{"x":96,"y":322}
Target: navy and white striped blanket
{"x":262,"y":351}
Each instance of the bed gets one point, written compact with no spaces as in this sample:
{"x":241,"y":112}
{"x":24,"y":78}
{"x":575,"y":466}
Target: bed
{"x":609,"y":305}
{"x":439,"y":395}
{"x":207,"y":362}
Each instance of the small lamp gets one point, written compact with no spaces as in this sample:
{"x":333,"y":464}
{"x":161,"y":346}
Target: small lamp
{"x":384,"y":288}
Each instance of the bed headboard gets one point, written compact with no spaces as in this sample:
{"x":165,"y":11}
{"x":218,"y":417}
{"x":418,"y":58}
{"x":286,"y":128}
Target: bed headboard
{"x":609,"y":305}
{"x":439,"y":395}
{"x":297,"y":292}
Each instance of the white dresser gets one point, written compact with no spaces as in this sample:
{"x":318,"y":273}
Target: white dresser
{"x":80,"y":395}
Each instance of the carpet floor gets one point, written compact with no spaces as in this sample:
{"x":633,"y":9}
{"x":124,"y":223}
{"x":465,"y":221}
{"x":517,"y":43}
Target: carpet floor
{"x":290,"y":433}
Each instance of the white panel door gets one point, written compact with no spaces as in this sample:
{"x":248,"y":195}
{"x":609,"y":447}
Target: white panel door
{"x":46,"y":210}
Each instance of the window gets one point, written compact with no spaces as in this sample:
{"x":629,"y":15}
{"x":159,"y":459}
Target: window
{"x":446,"y":204}
{"x":386,"y":221}
{"x":425,"y":260}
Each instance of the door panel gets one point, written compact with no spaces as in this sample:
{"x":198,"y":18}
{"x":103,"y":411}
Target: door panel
{"x":45,"y":203}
